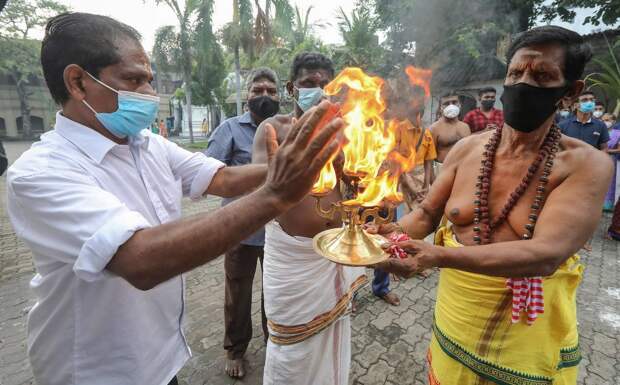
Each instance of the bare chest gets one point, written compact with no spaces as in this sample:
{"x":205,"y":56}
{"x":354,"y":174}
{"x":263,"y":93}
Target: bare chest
{"x":507,"y":175}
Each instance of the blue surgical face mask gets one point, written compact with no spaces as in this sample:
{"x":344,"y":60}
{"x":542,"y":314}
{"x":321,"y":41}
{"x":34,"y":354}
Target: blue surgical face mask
{"x":308,"y":97}
{"x":586,"y":107}
{"x":135,"y":112}
{"x":564,"y":113}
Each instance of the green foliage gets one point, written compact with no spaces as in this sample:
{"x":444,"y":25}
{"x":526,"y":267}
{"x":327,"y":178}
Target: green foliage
{"x":608,"y":80}
{"x":19,"y":58}
{"x":603,"y":11}
{"x":20,"y":53}
{"x":207,"y":63}
{"x":209,"y":69}
{"x":167,"y":49}
{"x":361,"y":43}
{"x":21,"y":16}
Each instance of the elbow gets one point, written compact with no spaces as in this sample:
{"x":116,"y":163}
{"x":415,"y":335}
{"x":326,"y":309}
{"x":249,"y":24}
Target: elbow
{"x":547,"y":269}
{"x":140,"y":279}
{"x":547,"y":266}
{"x":128,"y":264}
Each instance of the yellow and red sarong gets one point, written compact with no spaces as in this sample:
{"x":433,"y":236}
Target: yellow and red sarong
{"x":474,"y":341}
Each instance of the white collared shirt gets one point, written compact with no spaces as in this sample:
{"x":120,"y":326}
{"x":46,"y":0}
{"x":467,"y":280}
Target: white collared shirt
{"x":74,"y":198}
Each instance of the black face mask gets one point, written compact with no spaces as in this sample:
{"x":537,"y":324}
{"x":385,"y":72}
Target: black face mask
{"x":487,"y":104}
{"x":526,"y":107}
{"x":263,"y":106}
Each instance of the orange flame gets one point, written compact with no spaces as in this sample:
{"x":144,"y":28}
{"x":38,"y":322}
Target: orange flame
{"x":420,"y":77}
{"x":370,"y":140}
{"x":327,"y":178}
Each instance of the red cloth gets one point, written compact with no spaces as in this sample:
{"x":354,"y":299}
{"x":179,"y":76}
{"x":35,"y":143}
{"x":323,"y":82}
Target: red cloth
{"x":527,"y":296}
{"x":396,"y":251}
{"x":477,"y":121}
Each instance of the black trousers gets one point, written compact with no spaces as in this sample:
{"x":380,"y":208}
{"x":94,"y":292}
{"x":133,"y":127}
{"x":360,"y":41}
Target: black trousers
{"x":240,"y":266}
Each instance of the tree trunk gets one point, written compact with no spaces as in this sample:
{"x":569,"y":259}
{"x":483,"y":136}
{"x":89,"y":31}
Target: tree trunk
{"x":188,"y":100}
{"x":24,"y":105}
{"x":238,"y":80}
{"x":187,"y":77}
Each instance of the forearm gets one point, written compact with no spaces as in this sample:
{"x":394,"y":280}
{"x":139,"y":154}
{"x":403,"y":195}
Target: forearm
{"x":230,"y":182}
{"x":526,"y":258}
{"x":157,"y":254}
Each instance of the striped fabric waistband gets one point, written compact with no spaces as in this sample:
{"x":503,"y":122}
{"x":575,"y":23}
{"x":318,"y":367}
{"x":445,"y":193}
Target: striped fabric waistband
{"x":289,"y":335}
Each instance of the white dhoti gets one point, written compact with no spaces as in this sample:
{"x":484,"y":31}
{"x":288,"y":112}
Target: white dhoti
{"x":307,"y":301}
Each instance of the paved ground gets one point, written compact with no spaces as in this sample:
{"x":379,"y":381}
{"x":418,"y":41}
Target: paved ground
{"x":389,"y":343}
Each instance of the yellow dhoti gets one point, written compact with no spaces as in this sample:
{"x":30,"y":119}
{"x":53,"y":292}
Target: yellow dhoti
{"x":474,"y":341}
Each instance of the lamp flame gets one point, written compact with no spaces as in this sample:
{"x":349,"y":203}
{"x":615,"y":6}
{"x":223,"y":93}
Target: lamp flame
{"x":370,"y":139}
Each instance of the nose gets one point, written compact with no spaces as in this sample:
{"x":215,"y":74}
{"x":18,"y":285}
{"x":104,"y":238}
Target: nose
{"x":147,"y":89}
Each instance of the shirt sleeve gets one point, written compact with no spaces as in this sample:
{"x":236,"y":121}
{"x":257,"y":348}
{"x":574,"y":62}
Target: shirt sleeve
{"x":500,"y":118}
{"x":431,"y":152}
{"x":195,"y":169}
{"x":469,"y":119}
{"x":220,"y":144}
{"x":65,"y":217}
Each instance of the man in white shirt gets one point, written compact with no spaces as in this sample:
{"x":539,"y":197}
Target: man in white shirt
{"x":98,"y":201}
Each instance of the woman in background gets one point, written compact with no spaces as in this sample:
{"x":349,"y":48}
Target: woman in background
{"x":614,"y":134}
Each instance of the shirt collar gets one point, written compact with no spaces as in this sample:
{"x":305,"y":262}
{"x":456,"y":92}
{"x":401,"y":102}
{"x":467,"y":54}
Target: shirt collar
{"x":576,"y":119}
{"x":246,"y":119}
{"x":89,"y":141}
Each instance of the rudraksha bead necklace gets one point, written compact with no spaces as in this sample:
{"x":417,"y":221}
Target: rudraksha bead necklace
{"x":483,"y":225}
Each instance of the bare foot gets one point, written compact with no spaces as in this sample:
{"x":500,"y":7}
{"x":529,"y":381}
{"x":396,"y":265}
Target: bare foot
{"x":587,"y":247}
{"x":353,"y":306}
{"x":391,"y":298}
{"x":234,"y":367}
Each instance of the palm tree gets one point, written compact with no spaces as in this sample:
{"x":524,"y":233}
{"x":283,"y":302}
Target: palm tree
{"x":238,"y":36}
{"x":359,"y":32}
{"x":608,"y":79}
{"x":185,"y":12}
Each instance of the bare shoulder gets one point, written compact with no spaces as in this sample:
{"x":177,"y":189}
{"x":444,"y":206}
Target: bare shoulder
{"x":580,"y":157}
{"x":463,"y":125}
{"x":435,"y":126}
{"x":281,"y":123}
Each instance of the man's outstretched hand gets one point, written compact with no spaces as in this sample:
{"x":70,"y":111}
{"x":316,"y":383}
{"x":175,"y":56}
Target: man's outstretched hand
{"x":294,"y":166}
{"x":420,"y":256}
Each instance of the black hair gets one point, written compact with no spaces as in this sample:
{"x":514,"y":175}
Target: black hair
{"x":311,"y":61}
{"x":587,"y":92}
{"x":599,"y":103}
{"x":449,"y":94}
{"x":577,"y":51}
{"x":485,"y":90}
{"x":87,"y":40}
{"x":261,"y":73}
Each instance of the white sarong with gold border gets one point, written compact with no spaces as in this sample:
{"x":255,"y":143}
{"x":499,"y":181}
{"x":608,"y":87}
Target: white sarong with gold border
{"x":307,"y":302}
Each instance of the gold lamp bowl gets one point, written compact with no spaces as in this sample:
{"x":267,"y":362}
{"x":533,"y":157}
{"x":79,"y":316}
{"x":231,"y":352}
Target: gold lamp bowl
{"x":351,"y":245}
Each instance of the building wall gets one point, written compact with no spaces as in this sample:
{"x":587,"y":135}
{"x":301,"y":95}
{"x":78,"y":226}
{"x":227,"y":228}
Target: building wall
{"x":41,"y":103}
{"x":43,"y":107}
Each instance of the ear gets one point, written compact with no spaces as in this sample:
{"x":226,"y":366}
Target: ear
{"x":290,"y":88}
{"x":74,"y":77}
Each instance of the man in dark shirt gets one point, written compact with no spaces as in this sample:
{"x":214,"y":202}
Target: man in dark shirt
{"x":231,"y":143}
{"x":486,"y":117}
{"x":583,"y":126}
